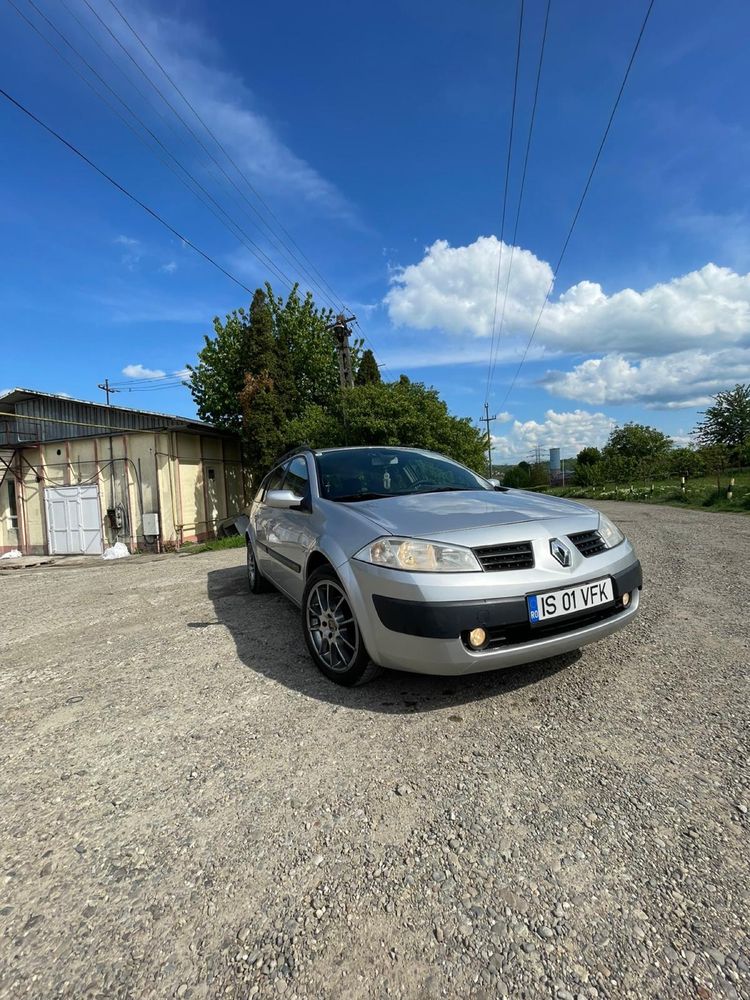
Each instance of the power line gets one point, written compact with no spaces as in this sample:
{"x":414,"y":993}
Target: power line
{"x":583,"y":196}
{"x":278,"y":243}
{"x":493,"y":364}
{"x":122,"y":190}
{"x":333,"y":297}
{"x":337,"y":299}
{"x":505,"y":192}
{"x":232,"y":226}
{"x":328,"y":293}
{"x":236,"y":230}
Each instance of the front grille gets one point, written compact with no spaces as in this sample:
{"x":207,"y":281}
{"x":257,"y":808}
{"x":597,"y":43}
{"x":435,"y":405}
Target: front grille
{"x":514,"y":555}
{"x":588,"y":543}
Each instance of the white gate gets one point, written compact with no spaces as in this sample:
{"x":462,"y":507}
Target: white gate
{"x":73,"y":520}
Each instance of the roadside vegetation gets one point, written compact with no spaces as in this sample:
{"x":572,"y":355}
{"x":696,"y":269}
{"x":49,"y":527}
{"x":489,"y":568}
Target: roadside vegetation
{"x":212,"y":544}
{"x":700,"y":493}
{"x":641,"y":463}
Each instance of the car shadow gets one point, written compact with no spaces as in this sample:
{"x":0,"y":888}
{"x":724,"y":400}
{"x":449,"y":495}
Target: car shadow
{"x":267,"y":634}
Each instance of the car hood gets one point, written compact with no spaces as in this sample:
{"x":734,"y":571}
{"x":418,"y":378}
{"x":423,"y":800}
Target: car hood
{"x":427,"y":515}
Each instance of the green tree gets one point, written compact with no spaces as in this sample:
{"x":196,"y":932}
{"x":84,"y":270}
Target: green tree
{"x":265,"y":397}
{"x":727,"y":422}
{"x":286,"y":337}
{"x":518,"y":477}
{"x":391,"y":413}
{"x":300,"y":329}
{"x":715,"y":458}
{"x":218,"y":378}
{"x":636,"y":450}
{"x":588,"y":456}
{"x":686,"y":462}
{"x":368,"y":371}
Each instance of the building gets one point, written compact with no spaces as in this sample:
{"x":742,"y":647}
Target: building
{"x":75,"y":477}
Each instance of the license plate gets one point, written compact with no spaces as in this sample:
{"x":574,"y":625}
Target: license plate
{"x":570,"y":600}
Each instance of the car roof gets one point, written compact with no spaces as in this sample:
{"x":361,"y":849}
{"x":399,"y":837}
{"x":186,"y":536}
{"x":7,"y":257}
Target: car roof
{"x":370,"y":447}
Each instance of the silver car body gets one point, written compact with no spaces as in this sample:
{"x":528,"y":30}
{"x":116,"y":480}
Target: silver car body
{"x":416,"y":621}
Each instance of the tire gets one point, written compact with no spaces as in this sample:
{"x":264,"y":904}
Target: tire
{"x":332,"y":634}
{"x":256,"y":582}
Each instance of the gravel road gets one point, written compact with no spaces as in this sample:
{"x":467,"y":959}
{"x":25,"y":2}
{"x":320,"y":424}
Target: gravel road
{"x":187,"y":808}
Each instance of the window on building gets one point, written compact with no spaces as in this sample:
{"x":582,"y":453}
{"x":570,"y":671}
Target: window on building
{"x":12,"y":504}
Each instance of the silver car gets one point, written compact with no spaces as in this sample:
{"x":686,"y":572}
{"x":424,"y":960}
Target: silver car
{"x":403,"y":558}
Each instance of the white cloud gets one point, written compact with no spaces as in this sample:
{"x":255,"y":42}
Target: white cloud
{"x":569,"y":431}
{"x":669,"y":346}
{"x":126,"y":241}
{"x":169,"y":268}
{"x":458,"y":352}
{"x":686,"y":379}
{"x":197,"y":64}
{"x":453,"y":289}
{"x":139,"y":371}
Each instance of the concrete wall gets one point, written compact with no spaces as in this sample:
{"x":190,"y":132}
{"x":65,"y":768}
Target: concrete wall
{"x":192,"y":481}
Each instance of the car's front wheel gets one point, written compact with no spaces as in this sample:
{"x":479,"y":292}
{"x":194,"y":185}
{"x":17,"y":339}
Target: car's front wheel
{"x":256,"y":582}
{"x":332,"y":633}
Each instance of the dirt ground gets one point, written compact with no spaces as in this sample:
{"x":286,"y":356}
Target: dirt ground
{"x":187,"y":808}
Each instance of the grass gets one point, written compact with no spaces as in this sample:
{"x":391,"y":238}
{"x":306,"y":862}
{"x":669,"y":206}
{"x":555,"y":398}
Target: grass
{"x":700,"y":493}
{"x":213,"y":544}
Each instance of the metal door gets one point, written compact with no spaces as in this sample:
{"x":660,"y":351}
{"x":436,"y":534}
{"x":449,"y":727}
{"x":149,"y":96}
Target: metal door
{"x":74,"y":524}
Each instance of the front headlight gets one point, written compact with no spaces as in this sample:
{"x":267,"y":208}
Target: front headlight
{"x":611,"y":534}
{"x":418,"y":556}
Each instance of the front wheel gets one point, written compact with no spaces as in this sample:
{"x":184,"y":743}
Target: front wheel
{"x":256,"y":582}
{"x":332,"y":633}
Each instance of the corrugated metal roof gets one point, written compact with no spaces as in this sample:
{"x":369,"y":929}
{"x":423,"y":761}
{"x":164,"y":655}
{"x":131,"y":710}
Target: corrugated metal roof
{"x":29,"y":415}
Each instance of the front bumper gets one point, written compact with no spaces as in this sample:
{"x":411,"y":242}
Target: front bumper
{"x":408,"y":622}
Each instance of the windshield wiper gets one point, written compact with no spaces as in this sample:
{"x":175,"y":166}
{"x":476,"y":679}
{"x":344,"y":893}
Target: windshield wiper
{"x":351,"y":497}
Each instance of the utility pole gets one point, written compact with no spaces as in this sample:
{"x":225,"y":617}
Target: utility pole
{"x":341,"y":333}
{"x":106,"y":387}
{"x":487,"y":419}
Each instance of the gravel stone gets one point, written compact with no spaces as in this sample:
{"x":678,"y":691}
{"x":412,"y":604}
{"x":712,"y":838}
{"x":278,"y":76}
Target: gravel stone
{"x":196,"y":812}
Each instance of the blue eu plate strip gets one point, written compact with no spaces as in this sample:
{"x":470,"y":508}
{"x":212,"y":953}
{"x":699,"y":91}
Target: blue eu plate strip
{"x":533,"y":608}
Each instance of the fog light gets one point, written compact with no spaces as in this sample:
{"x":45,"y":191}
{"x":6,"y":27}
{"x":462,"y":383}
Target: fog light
{"x":625,"y":600}
{"x":477,"y":637}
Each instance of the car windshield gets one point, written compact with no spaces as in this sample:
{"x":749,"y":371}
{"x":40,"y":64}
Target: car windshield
{"x":376,"y":473}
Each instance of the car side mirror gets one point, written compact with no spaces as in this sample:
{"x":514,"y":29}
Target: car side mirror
{"x":282,"y":499}
{"x":494,"y":482}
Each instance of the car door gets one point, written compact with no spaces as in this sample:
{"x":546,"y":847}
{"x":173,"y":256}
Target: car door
{"x":293,"y":536}
{"x":265,"y":526}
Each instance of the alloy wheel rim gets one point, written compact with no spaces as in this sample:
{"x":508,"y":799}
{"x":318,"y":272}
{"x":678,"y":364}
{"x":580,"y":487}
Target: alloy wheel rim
{"x":250,"y":565}
{"x":331,"y":626}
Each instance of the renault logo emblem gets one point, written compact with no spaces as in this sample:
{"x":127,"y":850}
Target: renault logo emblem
{"x":560,"y":552}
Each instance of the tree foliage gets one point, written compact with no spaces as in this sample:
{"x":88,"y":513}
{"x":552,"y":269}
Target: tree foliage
{"x":368,"y":371}
{"x":727,"y":422}
{"x":271,"y":373}
{"x":588,"y":456}
{"x":391,"y":413}
{"x":218,"y":378}
{"x":637,"y":443}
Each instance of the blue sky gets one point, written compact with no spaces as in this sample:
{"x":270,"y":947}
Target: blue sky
{"x":378,"y":137}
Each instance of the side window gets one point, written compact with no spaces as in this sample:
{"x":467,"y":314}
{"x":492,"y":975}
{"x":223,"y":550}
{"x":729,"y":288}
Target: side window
{"x":296,"y":477}
{"x":274,"y":480}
